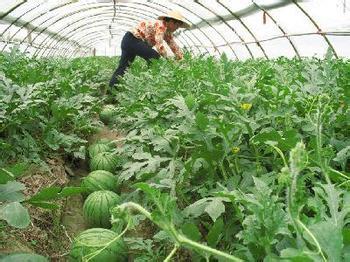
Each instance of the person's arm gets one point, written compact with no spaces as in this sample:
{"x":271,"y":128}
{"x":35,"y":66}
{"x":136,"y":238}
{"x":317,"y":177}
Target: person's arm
{"x":169,"y":38}
{"x":159,"y":38}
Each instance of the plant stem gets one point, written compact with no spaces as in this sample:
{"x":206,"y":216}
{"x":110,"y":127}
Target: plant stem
{"x":96,"y":253}
{"x":319,"y":249}
{"x":185,"y":241}
{"x":256,"y":151}
{"x":223,"y":171}
{"x":319,"y":146}
{"x":279,"y":151}
{"x":172,"y":253}
{"x":179,"y":238}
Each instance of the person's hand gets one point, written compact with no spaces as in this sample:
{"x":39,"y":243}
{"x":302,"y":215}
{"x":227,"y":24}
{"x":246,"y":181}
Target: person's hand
{"x":179,"y":57}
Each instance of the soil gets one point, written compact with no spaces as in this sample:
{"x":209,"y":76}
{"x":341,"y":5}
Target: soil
{"x":44,"y":235}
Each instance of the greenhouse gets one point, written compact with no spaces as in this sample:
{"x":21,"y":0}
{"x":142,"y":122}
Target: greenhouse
{"x":178,"y":130}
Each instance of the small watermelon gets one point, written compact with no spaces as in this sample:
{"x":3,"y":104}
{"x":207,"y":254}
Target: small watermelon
{"x":107,"y":114}
{"x":99,"y":180}
{"x":99,"y":147}
{"x":97,"y":207}
{"x":94,"y":239}
{"x":104,"y":161}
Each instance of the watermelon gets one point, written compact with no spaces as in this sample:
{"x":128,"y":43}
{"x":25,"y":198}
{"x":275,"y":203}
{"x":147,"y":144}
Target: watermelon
{"x":95,"y":239}
{"x":99,"y":147}
{"x":99,"y":180}
{"x":107,"y":114}
{"x":97,"y":207}
{"x":104,"y":161}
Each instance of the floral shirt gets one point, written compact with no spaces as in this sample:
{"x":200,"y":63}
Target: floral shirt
{"x":154,"y":32}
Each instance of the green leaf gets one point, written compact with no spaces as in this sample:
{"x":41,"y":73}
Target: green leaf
{"x":183,"y":110}
{"x":9,"y":191}
{"x":52,"y":193}
{"x":342,"y":156}
{"x":329,"y":237}
{"x":191,"y":231}
{"x":267,"y":135}
{"x":71,"y":191}
{"x":24,"y":258}
{"x":46,"y":194}
{"x":215,"y":208}
{"x":289,"y":140}
{"x":346,"y":236}
{"x":150,"y":191}
{"x":197,"y":208}
{"x":45,"y":205}
{"x":15,"y":215}
{"x":295,"y":255}
{"x":215,"y":233}
{"x":12,"y":172}
{"x":202,"y":121}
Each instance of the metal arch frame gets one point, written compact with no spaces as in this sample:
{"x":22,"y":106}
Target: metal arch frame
{"x":190,"y":11}
{"x":90,"y":26}
{"x":67,"y":52}
{"x":56,"y":7}
{"x":98,"y":14}
{"x":52,"y":17}
{"x":82,"y":10}
{"x":86,"y":38}
{"x":317,"y":27}
{"x":229,"y":26}
{"x":91,"y":41}
{"x":90,"y":38}
{"x":76,"y":21}
{"x":257,"y":41}
{"x":66,"y":34}
{"x":52,"y":39}
{"x":279,"y":27}
{"x":35,"y":27}
{"x":76,"y":28}
{"x":12,"y":9}
{"x":68,"y":16}
{"x":18,"y":18}
{"x":200,"y":4}
{"x":53,"y":45}
{"x":237,"y":17}
{"x":95,"y":40}
{"x":245,"y":26}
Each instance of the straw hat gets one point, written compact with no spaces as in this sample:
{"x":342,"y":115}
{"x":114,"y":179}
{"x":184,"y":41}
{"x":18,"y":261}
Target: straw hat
{"x":177,"y":16}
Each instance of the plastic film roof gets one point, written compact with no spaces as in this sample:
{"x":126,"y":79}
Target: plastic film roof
{"x":241,"y":29}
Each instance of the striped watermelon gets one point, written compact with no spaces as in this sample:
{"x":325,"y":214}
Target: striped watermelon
{"x":99,"y":180}
{"x":104,"y":161}
{"x":107,"y":114}
{"x":99,"y":147}
{"x":97,"y":207}
{"x":95,"y":239}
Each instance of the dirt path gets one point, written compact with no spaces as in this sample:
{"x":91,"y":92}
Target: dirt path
{"x":72,"y":218}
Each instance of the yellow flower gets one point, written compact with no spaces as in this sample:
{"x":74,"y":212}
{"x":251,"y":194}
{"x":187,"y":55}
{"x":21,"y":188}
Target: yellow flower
{"x":246,"y":106}
{"x":235,"y":149}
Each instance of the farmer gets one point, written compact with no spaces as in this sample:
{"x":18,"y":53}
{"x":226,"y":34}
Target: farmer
{"x":140,"y":40}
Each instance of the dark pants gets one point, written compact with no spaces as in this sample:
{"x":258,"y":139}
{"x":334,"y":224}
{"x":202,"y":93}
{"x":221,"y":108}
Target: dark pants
{"x":132,"y":47}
